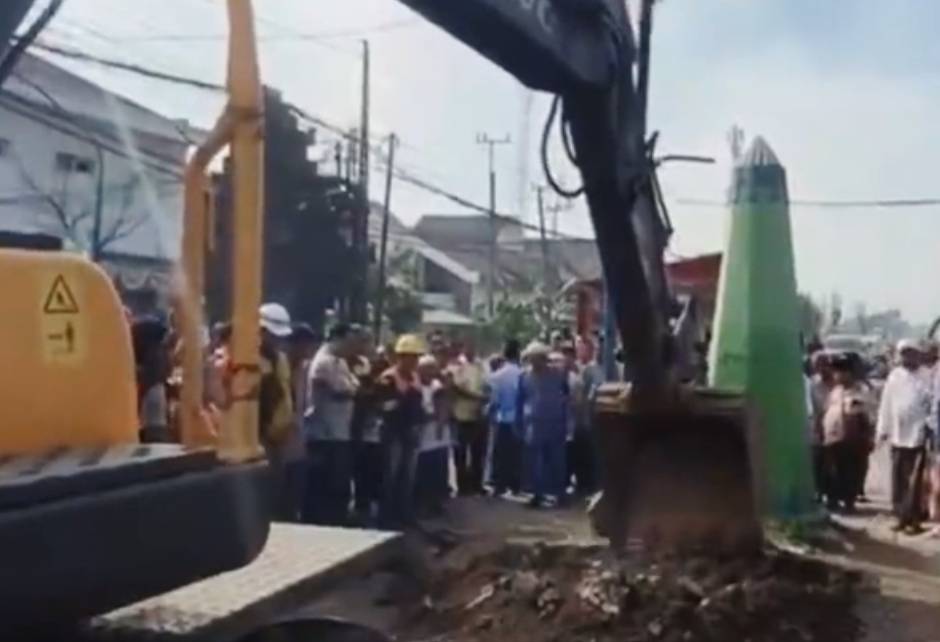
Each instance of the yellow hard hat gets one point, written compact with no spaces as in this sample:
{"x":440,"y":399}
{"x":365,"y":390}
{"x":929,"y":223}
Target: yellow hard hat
{"x":410,"y":344}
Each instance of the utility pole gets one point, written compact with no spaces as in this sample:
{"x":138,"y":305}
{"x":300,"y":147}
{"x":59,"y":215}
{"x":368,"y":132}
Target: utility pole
{"x":351,"y":141}
{"x":359,"y":295}
{"x":383,"y":244}
{"x":544,"y":239}
{"x":364,"y":125}
{"x":484,"y":139}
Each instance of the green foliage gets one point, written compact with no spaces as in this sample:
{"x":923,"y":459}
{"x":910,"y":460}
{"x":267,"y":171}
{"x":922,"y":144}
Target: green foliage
{"x":514,"y":318}
{"x":402,"y":308}
{"x":402,"y":303}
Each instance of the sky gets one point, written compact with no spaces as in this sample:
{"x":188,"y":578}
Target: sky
{"x":844,"y":92}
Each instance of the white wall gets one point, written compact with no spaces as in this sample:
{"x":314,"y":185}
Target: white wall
{"x":139,"y":196}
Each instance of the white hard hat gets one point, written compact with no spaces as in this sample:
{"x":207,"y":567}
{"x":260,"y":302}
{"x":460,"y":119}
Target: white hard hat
{"x":536,"y":349}
{"x":908,"y":344}
{"x":275,"y":319}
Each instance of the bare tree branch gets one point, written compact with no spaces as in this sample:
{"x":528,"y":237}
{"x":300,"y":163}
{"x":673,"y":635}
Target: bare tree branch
{"x":121,"y":229}
{"x":123,"y":224}
{"x":59,"y":208}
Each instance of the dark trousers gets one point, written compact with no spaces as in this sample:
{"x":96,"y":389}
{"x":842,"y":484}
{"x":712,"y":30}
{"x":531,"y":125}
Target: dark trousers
{"x":470,"y":456}
{"x":864,"y":454}
{"x":907,"y":482}
{"x":842,"y":471}
{"x":546,"y":467}
{"x":329,"y":482}
{"x":367,"y":474}
{"x":582,"y":459}
{"x":432,"y":487}
{"x":290,"y":482}
{"x":507,"y":459}
{"x":399,"y":467}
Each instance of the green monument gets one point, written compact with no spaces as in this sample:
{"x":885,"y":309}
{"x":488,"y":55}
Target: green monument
{"x":756,"y":343}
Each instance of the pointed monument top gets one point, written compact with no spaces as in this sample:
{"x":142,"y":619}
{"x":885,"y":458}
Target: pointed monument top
{"x":759,"y":154}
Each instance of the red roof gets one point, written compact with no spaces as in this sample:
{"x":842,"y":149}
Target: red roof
{"x":696,"y":272}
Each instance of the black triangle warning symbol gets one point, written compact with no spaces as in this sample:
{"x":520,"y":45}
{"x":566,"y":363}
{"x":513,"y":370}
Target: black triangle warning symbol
{"x":60,"y":299}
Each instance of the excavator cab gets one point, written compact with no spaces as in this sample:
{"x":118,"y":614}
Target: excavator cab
{"x":90,"y":518}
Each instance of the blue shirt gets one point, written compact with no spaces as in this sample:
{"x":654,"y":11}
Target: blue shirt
{"x":504,"y":393}
{"x":543,"y":398}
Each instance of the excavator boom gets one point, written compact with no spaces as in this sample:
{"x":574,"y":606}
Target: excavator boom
{"x":676,"y":463}
{"x":534,"y":40}
{"x":583,"y":51}
{"x":11,"y":15}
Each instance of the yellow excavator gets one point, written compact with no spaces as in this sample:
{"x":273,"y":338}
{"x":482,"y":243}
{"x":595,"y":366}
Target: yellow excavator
{"x":91,"y":520}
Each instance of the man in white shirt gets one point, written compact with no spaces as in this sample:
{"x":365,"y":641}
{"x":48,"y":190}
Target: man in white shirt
{"x":327,"y":428}
{"x":903,"y":420}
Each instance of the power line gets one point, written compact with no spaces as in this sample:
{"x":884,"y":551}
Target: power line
{"x":392,"y":25}
{"x":129,"y":67}
{"x":833,"y":204}
{"x":200,"y":84}
{"x":336,"y":129}
{"x":459,"y":200}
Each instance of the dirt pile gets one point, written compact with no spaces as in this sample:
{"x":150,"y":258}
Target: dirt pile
{"x":571,"y":594}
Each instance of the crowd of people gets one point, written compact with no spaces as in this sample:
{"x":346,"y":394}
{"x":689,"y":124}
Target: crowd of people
{"x":365,"y":434}
{"x":851,"y":417}
{"x":360,"y":433}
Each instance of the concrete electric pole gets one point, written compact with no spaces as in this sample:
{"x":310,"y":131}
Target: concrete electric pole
{"x":383,"y":243}
{"x":359,"y":295}
{"x":543,"y":238}
{"x":484,"y":139}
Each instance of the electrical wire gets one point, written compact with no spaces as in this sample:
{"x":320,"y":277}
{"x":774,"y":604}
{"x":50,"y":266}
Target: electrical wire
{"x":129,"y":67}
{"x":826,"y":204}
{"x":543,"y":152}
{"x":431,"y":188}
{"x":391,"y":25}
{"x":339,"y":131}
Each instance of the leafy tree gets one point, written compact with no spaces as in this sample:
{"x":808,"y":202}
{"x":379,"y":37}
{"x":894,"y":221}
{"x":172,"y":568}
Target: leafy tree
{"x":402,"y":308}
{"x":513,"y":318}
{"x":402,"y":303}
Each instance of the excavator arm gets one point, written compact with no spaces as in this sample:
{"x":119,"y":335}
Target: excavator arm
{"x":583,"y":51}
{"x":678,"y":464}
{"x":11,"y":15}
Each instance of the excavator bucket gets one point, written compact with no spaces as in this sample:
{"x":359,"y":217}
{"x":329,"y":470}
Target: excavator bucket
{"x":679,"y":477}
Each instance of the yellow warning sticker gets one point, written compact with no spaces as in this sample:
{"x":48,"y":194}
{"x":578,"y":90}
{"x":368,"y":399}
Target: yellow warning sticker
{"x":62,"y":325}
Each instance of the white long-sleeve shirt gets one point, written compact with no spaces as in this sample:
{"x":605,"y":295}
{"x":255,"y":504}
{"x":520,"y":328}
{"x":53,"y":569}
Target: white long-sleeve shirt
{"x":905,"y":407}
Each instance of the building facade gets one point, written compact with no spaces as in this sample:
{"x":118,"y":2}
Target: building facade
{"x":100,"y":172}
